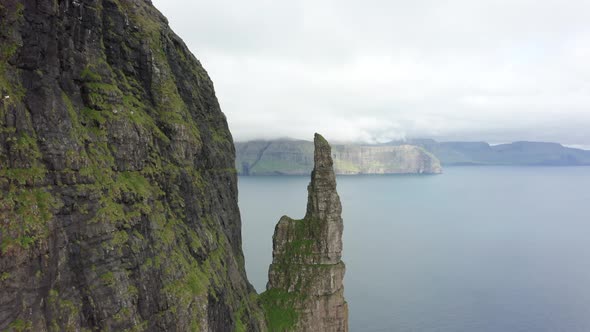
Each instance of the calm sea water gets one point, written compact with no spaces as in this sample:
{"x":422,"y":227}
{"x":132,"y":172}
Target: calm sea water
{"x":473,"y":249}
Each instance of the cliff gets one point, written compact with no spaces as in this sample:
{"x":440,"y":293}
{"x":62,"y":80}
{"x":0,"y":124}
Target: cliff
{"x":296,"y":158}
{"x":516,"y":153}
{"x":118,"y":196}
{"x":305,"y":289}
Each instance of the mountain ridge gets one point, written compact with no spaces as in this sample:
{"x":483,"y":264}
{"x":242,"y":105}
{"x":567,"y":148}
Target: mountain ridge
{"x":288,"y":156}
{"x":524,"y":153}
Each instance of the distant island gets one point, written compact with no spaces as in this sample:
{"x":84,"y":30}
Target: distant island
{"x":295,"y":157}
{"x":414,"y":156}
{"x":521,"y":153}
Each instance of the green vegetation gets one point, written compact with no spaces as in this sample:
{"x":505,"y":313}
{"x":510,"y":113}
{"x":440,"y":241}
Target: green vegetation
{"x":94,"y":118}
{"x":9,"y":86}
{"x":119,"y":240}
{"x":278,"y":306}
{"x":246,"y":314}
{"x":19,"y":325}
{"x":26,"y":145}
{"x":172,"y":113}
{"x":22,"y":176}
{"x":194,"y":284}
{"x":240,"y":327}
{"x":346,"y":166}
{"x":301,"y":243}
{"x":123,"y":315}
{"x":108,"y":278}
{"x":220,"y":137}
{"x":29,"y":211}
{"x":89,"y":75}
{"x":26,"y":205}
{"x":68,"y":313}
{"x":165,"y":190}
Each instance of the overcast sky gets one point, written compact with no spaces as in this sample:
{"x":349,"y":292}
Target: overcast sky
{"x":377,"y":70}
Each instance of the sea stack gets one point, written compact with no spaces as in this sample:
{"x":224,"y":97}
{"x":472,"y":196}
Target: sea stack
{"x":305,"y":289}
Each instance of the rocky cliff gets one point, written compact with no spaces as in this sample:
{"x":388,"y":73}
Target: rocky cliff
{"x":118,"y":197}
{"x":296,"y":158}
{"x":305,"y":290}
{"x":366,"y":159}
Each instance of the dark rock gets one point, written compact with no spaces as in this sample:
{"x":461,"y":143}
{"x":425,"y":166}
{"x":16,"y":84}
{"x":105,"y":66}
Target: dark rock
{"x":118,"y":195}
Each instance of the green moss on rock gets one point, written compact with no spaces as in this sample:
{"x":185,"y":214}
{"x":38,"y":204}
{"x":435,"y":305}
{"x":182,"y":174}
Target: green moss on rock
{"x":120,"y":184}
{"x":279,"y":307}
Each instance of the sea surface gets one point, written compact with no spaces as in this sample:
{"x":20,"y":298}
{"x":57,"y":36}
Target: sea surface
{"x":473,"y":249}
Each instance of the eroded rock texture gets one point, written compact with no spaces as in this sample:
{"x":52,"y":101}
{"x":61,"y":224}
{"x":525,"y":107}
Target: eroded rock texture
{"x":118,"y":196}
{"x":305,"y":290}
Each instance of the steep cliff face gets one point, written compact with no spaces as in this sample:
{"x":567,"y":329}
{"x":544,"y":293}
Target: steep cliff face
{"x":118,"y":197}
{"x":296,"y":158}
{"x":365,"y":159}
{"x":305,"y":290}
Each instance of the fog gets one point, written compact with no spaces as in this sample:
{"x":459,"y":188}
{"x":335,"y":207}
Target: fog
{"x":377,"y":70}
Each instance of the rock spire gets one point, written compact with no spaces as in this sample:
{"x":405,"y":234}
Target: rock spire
{"x":305,"y":289}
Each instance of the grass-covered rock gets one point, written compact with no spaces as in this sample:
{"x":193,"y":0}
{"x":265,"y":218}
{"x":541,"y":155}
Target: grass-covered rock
{"x":118,"y":196}
{"x":305,"y":290}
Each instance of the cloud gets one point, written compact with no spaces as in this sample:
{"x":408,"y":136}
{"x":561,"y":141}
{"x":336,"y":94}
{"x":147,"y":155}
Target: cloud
{"x":377,"y":70}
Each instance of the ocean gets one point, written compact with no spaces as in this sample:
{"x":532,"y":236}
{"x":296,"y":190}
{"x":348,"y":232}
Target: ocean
{"x":473,"y":249}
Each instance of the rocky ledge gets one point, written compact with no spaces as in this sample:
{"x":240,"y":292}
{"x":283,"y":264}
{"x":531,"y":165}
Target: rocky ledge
{"x":305,"y":289}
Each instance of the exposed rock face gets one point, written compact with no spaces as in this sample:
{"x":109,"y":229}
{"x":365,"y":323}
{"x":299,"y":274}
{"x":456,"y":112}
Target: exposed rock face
{"x":379,"y":159}
{"x":118,"y":196}
{"x":305,"y":290}
{"x":296,"y":158}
